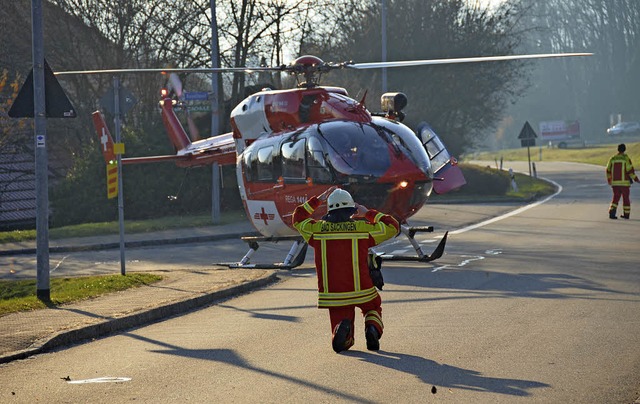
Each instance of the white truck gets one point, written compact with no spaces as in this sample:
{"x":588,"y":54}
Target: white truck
{"x":562,"y":134}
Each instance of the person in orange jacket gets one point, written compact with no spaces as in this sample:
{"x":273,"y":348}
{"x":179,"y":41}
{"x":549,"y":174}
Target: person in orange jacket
{"x":620,"y":174}
{"x":341,"y":246}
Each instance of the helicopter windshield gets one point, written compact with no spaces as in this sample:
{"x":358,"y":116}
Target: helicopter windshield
{"x":355,"y":148}
{"x":405,"y":141}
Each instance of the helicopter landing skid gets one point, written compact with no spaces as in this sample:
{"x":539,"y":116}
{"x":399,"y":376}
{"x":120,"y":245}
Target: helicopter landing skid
{"x":420,"y":256}
{"x":294,"y":258}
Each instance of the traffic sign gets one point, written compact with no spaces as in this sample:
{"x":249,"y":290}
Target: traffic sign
{"x":127,"y":100}
{"x":527,"y":136}
{"x":200,"y":108}
{"x":112,"y":180}
{"x":527,"y":142}
{"x":57,"y":105}
{"x":196,"y":96}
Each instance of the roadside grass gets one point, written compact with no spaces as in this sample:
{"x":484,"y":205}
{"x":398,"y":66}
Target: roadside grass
{"x":20,"y":295}
{"x":489,"y":184}
{"x":131,"y":226}
{"x":598,"y":155}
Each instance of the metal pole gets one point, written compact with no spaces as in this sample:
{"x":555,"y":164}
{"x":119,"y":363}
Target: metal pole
{"x":215,"y":114}
{"x":116,"y":110}
{"x":42,"y":172}
{"x":384,"y":44}
{"x":215,"y":193}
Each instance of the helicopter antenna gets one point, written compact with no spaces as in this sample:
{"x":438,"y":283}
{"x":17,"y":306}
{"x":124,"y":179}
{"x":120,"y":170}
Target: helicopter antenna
{"x":173,"y":198}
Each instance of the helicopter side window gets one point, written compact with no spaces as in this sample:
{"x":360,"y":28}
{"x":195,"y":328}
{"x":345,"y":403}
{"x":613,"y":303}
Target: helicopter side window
{"x":264,"y":166}
{"x":293,"y":160}
{"x":316,"y":163}
{"x":250,"y":162}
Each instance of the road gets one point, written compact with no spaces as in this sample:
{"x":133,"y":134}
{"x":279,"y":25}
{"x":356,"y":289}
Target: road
{"x":539,"y":306}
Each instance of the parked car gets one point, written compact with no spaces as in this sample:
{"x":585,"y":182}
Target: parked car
{"x":624,"y":128}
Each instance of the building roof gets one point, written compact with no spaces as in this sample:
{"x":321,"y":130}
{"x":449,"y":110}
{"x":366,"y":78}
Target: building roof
{"x":17,"y":189}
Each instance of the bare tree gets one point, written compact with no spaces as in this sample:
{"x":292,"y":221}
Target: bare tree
{"x":594,"y":90}
{"x":255,"y":31}
{"x":459,"y":101}
{"x":137,"y":33}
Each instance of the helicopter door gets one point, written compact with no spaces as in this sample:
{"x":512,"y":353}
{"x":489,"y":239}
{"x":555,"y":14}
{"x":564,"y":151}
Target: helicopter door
{"x":260,"y":191}
{"x":317,"y":166}
{"x":447,"y":174}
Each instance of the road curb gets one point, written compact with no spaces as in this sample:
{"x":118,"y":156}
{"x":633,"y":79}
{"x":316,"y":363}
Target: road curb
{"x":111,"y":326}
{"x":130,"y":244}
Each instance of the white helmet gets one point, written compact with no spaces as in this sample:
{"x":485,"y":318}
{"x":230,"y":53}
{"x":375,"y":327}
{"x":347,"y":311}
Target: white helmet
{"x":340,"y":199}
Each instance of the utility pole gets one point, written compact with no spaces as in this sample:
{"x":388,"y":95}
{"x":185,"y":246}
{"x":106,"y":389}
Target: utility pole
{"x":215,"y":115}
{"x":215,"y":105}
{"x":42,"y":171}
{"x":384,"y":43}
{"x":118,"y":124}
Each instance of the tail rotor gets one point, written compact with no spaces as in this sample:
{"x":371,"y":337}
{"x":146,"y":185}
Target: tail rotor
{"x":175,"y":84}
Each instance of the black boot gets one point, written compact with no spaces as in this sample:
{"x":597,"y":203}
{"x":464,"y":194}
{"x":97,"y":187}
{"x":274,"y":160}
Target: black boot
{"x":612,"y":214}
{"x":373,"y":338}
{"x":340,"y":335}
{"x":625,"y":216}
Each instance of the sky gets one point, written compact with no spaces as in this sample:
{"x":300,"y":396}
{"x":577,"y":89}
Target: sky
{"x":490,"y":3}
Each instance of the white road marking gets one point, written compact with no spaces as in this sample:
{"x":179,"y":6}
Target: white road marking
{"x":59,"y":263}
{"x":101,"y":380}
{"x":461,"y":264}
{"x":512,"y":213}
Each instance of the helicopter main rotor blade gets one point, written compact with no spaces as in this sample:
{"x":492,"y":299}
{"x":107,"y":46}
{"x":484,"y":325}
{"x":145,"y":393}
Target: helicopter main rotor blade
{"x":175,"y":70}
{"x":378,"y":65}
{"x":294,"y":68}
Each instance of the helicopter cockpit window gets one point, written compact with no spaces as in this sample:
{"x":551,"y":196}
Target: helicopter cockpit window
{"x":293,"y":159}
{"x":355,"y":148}
{"x":264,"y":166}
{"x":435,"y":148}
{"x":316,"y":163}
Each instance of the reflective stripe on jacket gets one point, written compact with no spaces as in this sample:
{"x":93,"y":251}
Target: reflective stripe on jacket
{"x":341,"y":252}
{"x":620,"y":170}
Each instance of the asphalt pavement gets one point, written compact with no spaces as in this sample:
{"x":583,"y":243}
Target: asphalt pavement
{"x":32,"y":332}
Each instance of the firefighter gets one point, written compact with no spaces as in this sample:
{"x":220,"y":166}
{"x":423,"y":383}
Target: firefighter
{"x":620,"y":175}
{"x":341,"y":245}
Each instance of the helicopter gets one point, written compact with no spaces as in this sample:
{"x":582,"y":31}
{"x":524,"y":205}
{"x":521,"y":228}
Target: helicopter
{"x":288,"y":145}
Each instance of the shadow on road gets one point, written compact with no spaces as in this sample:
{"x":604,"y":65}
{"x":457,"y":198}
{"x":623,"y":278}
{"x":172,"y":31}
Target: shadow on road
{"x":488,"y":284}
{"x":446,"y":376}
{"x":230,"y":357}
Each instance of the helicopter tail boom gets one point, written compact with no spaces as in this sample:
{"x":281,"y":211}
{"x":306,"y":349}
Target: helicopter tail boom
{"x":175,"y":131}
{"x":104,"y":136}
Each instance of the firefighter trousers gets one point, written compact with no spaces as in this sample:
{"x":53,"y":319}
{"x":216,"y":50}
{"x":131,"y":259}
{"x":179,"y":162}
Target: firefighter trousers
{"x":371,"y":311}
{"x":620,"y":191}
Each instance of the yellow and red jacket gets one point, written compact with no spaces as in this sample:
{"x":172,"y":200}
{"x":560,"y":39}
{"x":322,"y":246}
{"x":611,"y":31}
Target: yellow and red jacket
{"x":620,"y":170}
{"x":341,"y":252}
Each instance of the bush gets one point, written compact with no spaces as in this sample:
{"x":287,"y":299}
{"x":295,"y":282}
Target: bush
{"x":148,"y":188}
{"x":484,"y":181}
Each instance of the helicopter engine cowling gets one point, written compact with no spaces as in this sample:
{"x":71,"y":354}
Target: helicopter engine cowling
{"x":277,"y":111}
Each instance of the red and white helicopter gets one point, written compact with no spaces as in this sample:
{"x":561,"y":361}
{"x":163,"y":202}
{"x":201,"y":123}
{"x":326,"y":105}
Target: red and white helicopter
{"x":288,"y":145}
